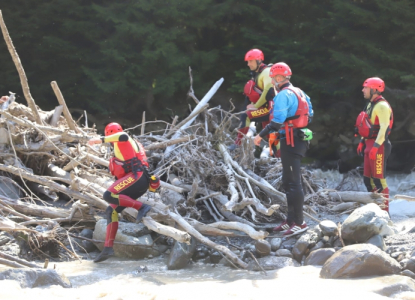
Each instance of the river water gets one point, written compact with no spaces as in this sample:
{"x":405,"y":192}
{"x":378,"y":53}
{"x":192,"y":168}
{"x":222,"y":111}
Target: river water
{"x":121,"y":279}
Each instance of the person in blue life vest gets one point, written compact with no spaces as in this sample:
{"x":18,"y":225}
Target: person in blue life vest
{"x":129,"y":166}
{"x":292,"y":113}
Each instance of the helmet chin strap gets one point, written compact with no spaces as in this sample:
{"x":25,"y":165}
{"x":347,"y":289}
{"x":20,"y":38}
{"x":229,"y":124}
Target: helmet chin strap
{"x":372,"y":93}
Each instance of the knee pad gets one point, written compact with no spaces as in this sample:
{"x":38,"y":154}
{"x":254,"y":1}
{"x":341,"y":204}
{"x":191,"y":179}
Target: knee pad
{"x":111,"y":215}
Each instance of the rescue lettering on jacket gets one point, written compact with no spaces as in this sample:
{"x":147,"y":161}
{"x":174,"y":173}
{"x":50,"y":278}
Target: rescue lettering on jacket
{"x":259,"y":112}
{"x":379,"y":160}
{"x":123,"y":183}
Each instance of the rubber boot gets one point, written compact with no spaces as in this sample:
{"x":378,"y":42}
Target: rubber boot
{"x":241,"y":133}
{"x":106,"y":253}
{"x":145,"y":208}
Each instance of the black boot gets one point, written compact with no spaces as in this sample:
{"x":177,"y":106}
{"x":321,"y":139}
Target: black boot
{"x":145,"y":208}
{"x":258,"y":151}
{"x":106,"y":253}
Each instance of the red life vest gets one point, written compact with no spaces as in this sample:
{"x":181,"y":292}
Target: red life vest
{"x":300,"y":119}
{"x":251,"y":89}
{"x":364,"y":126}
{"x":136,"y":165}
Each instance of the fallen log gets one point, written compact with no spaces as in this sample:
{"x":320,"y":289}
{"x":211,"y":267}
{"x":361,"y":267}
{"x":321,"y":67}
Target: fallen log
{"x":352,"y":196}
{"x":18,"y":260}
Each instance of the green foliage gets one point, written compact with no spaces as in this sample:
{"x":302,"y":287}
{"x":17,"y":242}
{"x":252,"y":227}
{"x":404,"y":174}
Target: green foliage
{"x":123,"y":57}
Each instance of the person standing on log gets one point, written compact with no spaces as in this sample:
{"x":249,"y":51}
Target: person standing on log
{"x":292,"y":113}
{"x":374,"y":124}
{"x":258,"y":96}
{"x":129,"y":167}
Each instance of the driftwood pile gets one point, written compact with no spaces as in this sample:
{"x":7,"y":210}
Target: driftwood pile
{"x":205,"y":190}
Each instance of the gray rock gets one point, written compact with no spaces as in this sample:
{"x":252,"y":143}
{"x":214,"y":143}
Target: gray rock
{"x":215,"y":257}
{"x":283,"y":252}
{"x":31,"y":278}
{"x":377,"y":240}
{"x":409,"y":265}
{"x":263,"y":247}
{"x":337,"y":243}
{"x":328,"y":227}
{"x":319,"y":245}
{"x":358,"y":261}
{"x":408,"y":273}
{"x":87,"y":233}
{"x":200,"y":253}
{"x":366,"y":222}
{"x":404,"y":285}
{"x":396,"y":254}
{"x":4,"y":240}
{"x":180,"y":255}
{"x":134,"y":247}
{"x":317,"y":230}
{"x":289,"y":243}
{"x":306,"y":241}
{"x":272,"y":263}
{"x":319,"y":257}
{"x":275,"y":244}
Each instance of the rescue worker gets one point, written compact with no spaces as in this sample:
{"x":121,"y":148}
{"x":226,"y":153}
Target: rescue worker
{"x":374,"y":124}
{"x":258,"y":96}
{"x":292,"y":113}
{"x":129,"y":167}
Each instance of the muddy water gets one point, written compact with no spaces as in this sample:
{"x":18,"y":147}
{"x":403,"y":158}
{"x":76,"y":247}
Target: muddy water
{"x":117,"y":279}
{"x":122,"y":279}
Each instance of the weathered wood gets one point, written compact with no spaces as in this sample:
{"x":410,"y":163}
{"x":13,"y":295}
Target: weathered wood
{"x":18,"y":260}
{"x":20,"y":70}
{"x":352,"y":196}
{"x":66,"y":113}
{"x":56,"y":115}
{"x":12,"y":264}
{"x":178,"y":235}
{"x":62,"y":135}
{"x":256,"y":235}
{"x":54,"y":186}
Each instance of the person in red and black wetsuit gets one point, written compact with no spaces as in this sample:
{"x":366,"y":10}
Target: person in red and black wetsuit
{"x":374,"y":143}
{"x":129,"y":166}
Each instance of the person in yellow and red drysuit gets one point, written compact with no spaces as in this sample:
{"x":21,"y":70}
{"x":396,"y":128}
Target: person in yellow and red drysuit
{"x":129,"y":166}
{"x":374,"y":125}
{"x":259,"y":93}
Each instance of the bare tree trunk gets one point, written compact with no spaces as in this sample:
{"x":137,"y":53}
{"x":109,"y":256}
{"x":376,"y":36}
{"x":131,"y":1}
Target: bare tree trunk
{"x":20,"y":70}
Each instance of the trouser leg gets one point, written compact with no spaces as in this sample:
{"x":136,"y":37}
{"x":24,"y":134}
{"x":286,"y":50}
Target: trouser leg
{"x":291,"y":178}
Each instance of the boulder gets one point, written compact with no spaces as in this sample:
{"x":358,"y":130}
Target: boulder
{"x":408,"y":273}
{"x":135,"y":245}
{"x":358,"y":261}
{"x":319,"y":257}
{"x":377,"y":240}
{"x":404,"y":284}
{"x":328,"y":227}
{"x":283,"y":252}
{"x":306,"y":241}
{"x":263,"y":247}
{"x":275,"y":244}
{"x":180,"y":255}
{"x":272,"y":263}
{"x":31,"y":278}
{"x":409,"y":264}
{"x":365,"y":222}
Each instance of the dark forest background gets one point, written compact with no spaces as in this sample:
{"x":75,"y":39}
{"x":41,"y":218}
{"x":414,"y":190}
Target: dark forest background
{"x":116,"y":59}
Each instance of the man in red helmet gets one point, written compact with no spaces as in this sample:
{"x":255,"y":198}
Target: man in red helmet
{"x":129,"y":166}
{"x":292,"y":112}
{"x":374,"y":124}
{"x":258,"y":95}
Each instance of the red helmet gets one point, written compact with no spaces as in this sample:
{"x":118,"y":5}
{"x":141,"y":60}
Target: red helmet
{"x":375,"y":83}
{"x":280,"y":69}
{"x":112,"y":128}
{"x":254,"y":54}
